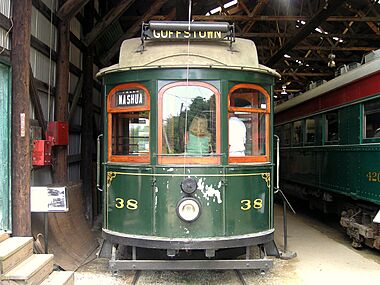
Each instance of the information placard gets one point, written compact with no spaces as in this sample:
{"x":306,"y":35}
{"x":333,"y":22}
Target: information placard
{"x":48,"y":199}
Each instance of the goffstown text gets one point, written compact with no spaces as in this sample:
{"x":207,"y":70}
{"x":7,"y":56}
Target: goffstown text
{"x":187,"y":34}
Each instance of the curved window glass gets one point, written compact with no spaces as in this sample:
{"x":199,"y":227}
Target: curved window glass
{"x":248,"y":125}
{"x":188,"y":129}
{"x":128,"y":123}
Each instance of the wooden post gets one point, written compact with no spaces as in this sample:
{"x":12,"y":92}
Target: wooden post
{"x":20,"y":54}
{"x":87,"y":139}
{"x":61,"y":99}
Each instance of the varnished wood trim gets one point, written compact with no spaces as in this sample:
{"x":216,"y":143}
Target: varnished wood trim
{"x":181,"y":159}
{"x":110,"y":110}
{"x":250,"y":159}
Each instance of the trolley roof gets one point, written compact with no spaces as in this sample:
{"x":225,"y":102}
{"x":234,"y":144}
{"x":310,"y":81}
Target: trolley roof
{"x":197,"y":54}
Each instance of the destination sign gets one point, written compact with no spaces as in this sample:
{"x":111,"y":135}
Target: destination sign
{"x":202,"y":35}
{"x":130,"y":97}
{"x":182,"y":30}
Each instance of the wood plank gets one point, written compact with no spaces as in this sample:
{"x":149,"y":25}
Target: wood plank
{"x":13,"y":251}
{"x":3,"y":236}
{"x":32,"y":270}
{"x":60,"y":278}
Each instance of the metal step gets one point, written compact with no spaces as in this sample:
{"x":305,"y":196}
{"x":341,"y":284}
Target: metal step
{"x":13,"y":251}
{"x":31,"y":271}
{"x":60,"y":278}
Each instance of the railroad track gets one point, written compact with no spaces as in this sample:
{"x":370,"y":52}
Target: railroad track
{"x":238,"y":274}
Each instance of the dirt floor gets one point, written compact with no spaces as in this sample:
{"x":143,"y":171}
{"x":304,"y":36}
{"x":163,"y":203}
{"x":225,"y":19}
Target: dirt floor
{"x":324,"y":256}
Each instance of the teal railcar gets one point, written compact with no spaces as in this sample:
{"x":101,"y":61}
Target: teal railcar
{"x":169,"y":182}
{"x":330,"y":149}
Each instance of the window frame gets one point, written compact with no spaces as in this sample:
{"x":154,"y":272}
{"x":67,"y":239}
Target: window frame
{"x":306,"y":142}
{"x":112,"y":110}
{"x":366,"y":139}
{"x":325,"y":128}
{"x":165,"y":159}
{"x":252,"y":158}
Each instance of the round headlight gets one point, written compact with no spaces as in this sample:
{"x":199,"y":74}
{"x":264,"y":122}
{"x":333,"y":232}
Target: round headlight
{"x":188,"y":209}
{"x":189,"y":185}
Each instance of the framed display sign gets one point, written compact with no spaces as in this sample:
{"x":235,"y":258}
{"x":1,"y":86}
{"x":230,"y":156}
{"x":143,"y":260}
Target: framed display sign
{"x":48,"y":199}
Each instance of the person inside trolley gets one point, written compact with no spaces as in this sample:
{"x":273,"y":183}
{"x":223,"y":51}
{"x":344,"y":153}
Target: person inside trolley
{"x":198,"y":137}
{"x":236,"y":136}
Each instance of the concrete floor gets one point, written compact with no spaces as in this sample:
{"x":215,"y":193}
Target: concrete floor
{"x":324,"y":256}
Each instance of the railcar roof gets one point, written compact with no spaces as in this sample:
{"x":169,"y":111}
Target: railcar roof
{"x":362,"y":71}
{"x":197,"y":54}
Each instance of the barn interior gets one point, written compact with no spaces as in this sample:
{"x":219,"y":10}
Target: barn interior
{"x":51,"y":51}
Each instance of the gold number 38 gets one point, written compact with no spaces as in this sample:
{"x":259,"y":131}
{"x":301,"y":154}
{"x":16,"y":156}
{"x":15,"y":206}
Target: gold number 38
{"x":247,"y":204}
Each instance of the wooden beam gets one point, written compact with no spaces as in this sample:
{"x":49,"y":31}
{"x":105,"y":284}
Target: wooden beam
{"x":20,"y":55}
{"x":257,"y":10}
{"x":263,"y":18}
{"x":308,"y":28}
{"x":132,"y":31}
{"x":70,"y":8}
{"x":317,"y":48}
{"x":370,"y":23}
{"x":87,"y":130}
{"x":108,"y":19}
{"x":61,"y":99}
{"x":313,"y":35}
{"x":35,"y":98}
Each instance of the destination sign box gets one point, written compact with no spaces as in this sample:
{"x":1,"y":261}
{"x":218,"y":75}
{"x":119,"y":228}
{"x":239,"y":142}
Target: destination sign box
{"x":181,"y":30}
{"x":130,"y":97}
{"x":194,"y":35}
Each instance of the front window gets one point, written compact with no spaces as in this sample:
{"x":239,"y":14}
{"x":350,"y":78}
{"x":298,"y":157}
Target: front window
{"x":189,"y":123}
{"x":128,"y":123}
{"x":248,"y":127}
{"x":372,"y":119}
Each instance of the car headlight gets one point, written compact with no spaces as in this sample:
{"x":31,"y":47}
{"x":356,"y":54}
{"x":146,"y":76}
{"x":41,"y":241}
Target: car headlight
{"x":188,"y":209}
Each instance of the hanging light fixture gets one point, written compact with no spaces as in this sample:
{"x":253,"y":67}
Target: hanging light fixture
{"x":331,"y":62}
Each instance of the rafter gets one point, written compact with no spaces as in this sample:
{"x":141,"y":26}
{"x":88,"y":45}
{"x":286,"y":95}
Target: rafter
{"x":108,"y":19}
{"x":70,"y":8}
{"x":314,"y":22}
{"x":132,"y":31}
{"x":370,"y":23}
{"x":264,"y":18}
{"x":257,"y":10}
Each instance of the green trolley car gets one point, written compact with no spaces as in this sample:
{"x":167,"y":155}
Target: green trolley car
{"x":178,"y":175}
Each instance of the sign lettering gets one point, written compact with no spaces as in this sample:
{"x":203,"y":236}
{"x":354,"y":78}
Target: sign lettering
{"x":130,"y":97}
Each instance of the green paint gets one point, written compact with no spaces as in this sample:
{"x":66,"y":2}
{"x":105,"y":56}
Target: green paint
{"x":5,"y":184}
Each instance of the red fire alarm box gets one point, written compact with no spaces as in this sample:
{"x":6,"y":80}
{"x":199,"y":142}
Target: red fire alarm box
{"x":41,"y":153}
{"x":58,"y":133}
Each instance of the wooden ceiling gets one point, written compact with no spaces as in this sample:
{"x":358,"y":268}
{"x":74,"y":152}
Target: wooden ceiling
{"x":293,"y":36}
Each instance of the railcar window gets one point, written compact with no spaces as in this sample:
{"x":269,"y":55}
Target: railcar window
{"x":130,"y":133}
{"x":310,"y":130}
{"x":331,"y":127}
{"x":189,"y":123}
{"x":249,"y":108}
{"x":128,"y":108}
{"x":286,"y":134}
{"x":372,"y":119}
{"x":297,"y":133}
